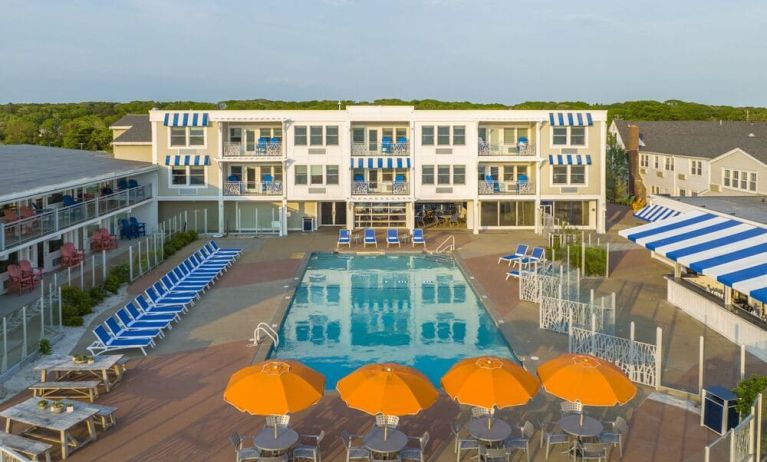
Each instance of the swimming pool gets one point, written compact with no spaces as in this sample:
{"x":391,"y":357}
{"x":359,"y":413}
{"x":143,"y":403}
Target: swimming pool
{"x":350,"y":310}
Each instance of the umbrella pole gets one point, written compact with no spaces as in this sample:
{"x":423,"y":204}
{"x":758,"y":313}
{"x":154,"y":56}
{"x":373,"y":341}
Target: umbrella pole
{"x":275,"y":430}
{"x":489,"y":421}
{"x":386,"y":431}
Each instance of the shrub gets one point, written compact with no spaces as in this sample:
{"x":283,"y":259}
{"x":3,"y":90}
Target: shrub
{"x":112,"y":284}
{"x":72,"y":321}
{"x":45,"y":346}
{"x":97,"y":295}
{"x":179,"y":241}
{"x":77,"y":300}
{"x":121,"y":272}
{"x":747,"y":391}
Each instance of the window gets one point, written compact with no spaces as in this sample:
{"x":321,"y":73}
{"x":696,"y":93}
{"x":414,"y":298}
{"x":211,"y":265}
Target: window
{"x":559,"y":136}
{"x":331,"y":135}
{"x":331,"y":174}
{"x":508,"y":173}
{"x":178,"y":175}
{"x":443,"y":135}
{"x":235,"y":135}
{"x":657,"y":162}
{"x":682,"y":192}
{"x":559,"y":174}
{"x":443,"y":174}
{"x":196,"y":176}
{"x":577,"y":174}
{"x":358,"y":135}
{"x":235,"y":173}
{"x":509,"y":136}
{"x":696,"y":167}
{"x":482,"y":131}
{"x":670,"y":163}
{"x":577,"y":136}
{"x":316,"y":174}
{"x":752,"y":181}
{"x":299,"y":136}
{"x":196,"y":136}
{"x":187,"y":176}
{"x":301,"y":174}
{"x":315,"y":135}
{"x":740,"y":179}
{"x":645,"y":160}
{"x":427,"y":174}
{"x":427,"y":136}
{"x":459,"y":135}
{"x":459,"y":174}
{"x":178,"y":136}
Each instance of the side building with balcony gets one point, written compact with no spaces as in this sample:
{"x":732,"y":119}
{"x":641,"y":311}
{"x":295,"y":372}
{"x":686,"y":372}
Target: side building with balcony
{"x":52,"y":196}
{"x":378,"y":166}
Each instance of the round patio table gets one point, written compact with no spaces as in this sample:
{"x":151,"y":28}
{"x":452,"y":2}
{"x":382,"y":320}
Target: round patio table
{"x":498,"y":431}
{"x":590,"y":427}
{"x":395,"y":440}
{"x":265,"y":440}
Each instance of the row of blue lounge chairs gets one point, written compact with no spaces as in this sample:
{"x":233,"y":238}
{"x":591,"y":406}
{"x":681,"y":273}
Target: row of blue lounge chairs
{"x":369,"y":237}
{"x":523,"y":259}
{"x":140,"y":323}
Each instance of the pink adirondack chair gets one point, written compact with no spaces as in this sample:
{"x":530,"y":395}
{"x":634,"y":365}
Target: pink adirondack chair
{"x":28,"y":270}
{"x":70,"y":256}
{"x":18,"y":281}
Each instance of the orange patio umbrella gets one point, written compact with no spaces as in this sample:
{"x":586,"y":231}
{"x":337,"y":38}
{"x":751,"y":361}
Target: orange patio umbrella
{"x":489,"y":382}
{"x":274,"y":387}
{"x":388,"y":388}
{"x":586,"y":379}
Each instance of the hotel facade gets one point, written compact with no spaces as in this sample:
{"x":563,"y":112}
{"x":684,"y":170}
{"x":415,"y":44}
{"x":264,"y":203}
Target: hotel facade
{"x":373,"y":166}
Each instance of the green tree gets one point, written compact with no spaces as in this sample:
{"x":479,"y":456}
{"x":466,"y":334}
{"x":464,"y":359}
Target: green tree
{"x":617,"y":175}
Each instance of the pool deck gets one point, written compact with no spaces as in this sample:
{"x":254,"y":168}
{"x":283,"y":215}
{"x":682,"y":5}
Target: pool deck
{"x":171,"y":407}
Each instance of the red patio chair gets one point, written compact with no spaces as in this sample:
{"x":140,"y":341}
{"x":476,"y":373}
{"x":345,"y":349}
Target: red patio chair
{"x":108,"y":240}
{"x":70,"y":256}
{"x":97,"y":240}
{"x":17,"y":280}
{"x":28,"y":270}
{"x":9,"y":215}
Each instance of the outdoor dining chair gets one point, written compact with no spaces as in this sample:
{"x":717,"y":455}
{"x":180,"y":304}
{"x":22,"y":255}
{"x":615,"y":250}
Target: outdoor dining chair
{"x":390,"y":421}
{"x":593,"y":451}
{"x":552,"y":436}
{"x":28,"y":270}
{"x":243,"y":453}
{"x":493,"y":454}
{"x":354,"y":452}
{"x":462,"y":444}
{"x":279,"y":421}
{"x":309,"y":451}
{"x":17,"y":280}
{"x":416,"y":453}
{"x":478,"y":412}
{"x":522,"y":443}
{"x":570,"y":407}
{"x":70,"y":256}
{"x":615,"y":437}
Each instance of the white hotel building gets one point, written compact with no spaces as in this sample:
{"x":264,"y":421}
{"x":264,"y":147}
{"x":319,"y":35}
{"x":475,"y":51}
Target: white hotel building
{"x":373,"y":166}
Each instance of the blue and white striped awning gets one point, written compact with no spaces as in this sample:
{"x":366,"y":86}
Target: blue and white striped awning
{"x":187,"y":160}
{"x":186,"y":119}
{"x":655,"y":212}
{"x":578,"y":119}
{"x":381,"y":162}
{"x":569,"y":159}
{"x":730,"y":251}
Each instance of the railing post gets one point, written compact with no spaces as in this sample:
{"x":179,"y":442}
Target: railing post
{"x":701,"y":366}
{"x":5,"y":344}
{"x":130,"y":261}
{"x":24,"y":331}
{"x":2,"y":236}
{"x":69,"y":275}
{"x":61,"y":317}
{"x":205,"y":219}
{"x":733,"y":452}
{"x":742,"y":361}
{"x":758,"y":450}
{"x":593,"y":334}
{"x":658,"y":356}
{"x":607,"y":260}
{"x":42,"y":318}
{"x":140,"y":264}
{"x":93,"y":270}
{"x":103,"y":265}
{"x":82,"y":275}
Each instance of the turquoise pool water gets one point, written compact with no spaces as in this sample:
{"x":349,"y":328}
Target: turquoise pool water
{"x":410,"y":309}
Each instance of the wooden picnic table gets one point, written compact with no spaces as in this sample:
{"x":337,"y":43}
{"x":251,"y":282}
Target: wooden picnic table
{"x":62,"y":424}
{"x":107,"y":368}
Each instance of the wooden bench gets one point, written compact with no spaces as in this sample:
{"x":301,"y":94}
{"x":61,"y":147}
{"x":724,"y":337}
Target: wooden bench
{"x":32,"y":448}
{"x":105,"y":418}
{"x":83,"y":389}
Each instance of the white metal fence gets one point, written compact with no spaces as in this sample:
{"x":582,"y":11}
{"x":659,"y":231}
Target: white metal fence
{"x":742,"y":443}
{"x":558,"y":314}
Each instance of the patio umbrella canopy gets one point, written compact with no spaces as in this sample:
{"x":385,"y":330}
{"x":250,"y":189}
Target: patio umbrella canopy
{"x":586,"y":379}
{"x":489,"y":382}
{"x":274,"y":388}
{"x":388,"y":388}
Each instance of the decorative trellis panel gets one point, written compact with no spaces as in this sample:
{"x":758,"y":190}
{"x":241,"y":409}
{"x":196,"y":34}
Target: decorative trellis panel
{"x":637,"y":359}
{"x":556,"y":314}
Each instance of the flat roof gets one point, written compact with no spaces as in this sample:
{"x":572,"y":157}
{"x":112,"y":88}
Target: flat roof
{"x":31,"y":170}
{"x":752,"y":208}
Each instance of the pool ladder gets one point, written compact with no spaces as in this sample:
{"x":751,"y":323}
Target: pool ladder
{"x":447,"y":246}
{"x":265,"y":329}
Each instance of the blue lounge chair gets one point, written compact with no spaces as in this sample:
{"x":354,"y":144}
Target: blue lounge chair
{"x":149,"y":315}
{"x":123,"y":332}
{"x":262,"y":142}
{"x":344,"y":238}
{"x":157,"y":301}
{"x":517,"y":255}
{"x":418,"y":237}
{"x":523,"y":184}
{"x":537,"y":255}
{"x":370,"y":237}
{"x":387,"y":146}
{"x":106,"y":342}
{"x":392,"y":237}
{"x":513,"y":274}
{"x":172,"y":296}
{"x":128,"y":321}
{"x":149,"y":306}
{"x":220,"y":251}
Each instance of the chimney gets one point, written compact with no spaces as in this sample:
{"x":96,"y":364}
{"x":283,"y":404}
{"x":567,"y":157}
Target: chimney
{"x":636,"y":187}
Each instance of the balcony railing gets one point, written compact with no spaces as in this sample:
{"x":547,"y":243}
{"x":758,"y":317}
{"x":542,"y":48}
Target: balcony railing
{"x":242,"y":188}
{"x":506,"y":187}
{"x":53,"y":221}
{"x":382,"y":149}
{"x":361,"y":188}
{"x":486,"y":149}
{"x":260,"y":149}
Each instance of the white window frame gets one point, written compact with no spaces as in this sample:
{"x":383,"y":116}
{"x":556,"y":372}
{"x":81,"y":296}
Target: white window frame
{"x":187,"y":185}
{"x":186,"y":139}
{"x":741,"y":174}
{"x":569,"y":138}
{"x":569,"y":176}
{"x":696,"y":171}
{"x":669,"y":164}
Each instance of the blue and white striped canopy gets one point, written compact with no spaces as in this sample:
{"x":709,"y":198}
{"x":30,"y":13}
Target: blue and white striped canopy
{"x":186,"y":119}
{"x":578,"y":119}
{"x":730,"y":251}
{"x":381,"y":162}
{"x":655,"y":212}
{"x":569,"y":159}
{"x":198,"y":161}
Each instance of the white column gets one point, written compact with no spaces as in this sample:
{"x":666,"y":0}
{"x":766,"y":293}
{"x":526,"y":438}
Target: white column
{"x":221,"y":229}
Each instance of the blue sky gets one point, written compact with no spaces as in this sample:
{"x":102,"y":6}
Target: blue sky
{"x":485,"y":51}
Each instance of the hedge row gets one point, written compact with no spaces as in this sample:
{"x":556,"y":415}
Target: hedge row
{"x":178,"y":242}
{"x":76,"y":303}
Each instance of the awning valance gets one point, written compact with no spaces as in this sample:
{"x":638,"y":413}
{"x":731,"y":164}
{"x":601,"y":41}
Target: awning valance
{"x":380,"y":162}
{"x":569,"y":159}
{"x":186,"y":119}
{"x":578,"y":119}
{"x":655,"y":212}
{"x":187,"y":160}
{"x":730,"y":251}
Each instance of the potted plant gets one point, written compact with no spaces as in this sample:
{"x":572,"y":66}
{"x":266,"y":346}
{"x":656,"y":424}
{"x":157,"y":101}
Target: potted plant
{"x":70,"y":407}
{"x":57,"y":407}
{"x":91,"y":360}
{"x":42,"y":404}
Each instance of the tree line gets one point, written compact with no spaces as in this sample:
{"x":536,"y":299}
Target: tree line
{"x":86,"y":125}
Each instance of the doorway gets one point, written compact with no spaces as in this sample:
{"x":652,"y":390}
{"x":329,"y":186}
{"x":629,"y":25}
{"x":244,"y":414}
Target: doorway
{"x":333,"y":213}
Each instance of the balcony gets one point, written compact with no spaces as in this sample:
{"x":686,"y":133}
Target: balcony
{"x":54,"y":221}
{"x":506,"y":187}
{"x":523,"y":150}
{"x":263,"y":148}
{"x":400,"y":148}
{"x":363,"y":188}
{"x":241,"y":188}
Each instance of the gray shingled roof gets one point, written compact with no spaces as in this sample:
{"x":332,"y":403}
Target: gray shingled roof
{"x":752,"y":208}
{"x":140,"y":130}
{"x":707,"y":139}
{"x":32,"y":168}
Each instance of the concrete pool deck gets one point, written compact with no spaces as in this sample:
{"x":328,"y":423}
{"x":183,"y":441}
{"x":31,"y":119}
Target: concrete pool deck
{"x":171,"y":407}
